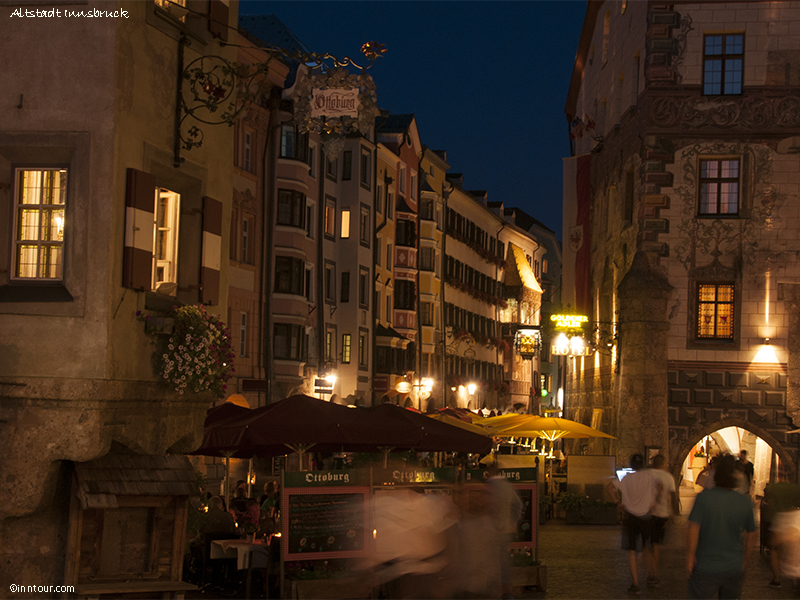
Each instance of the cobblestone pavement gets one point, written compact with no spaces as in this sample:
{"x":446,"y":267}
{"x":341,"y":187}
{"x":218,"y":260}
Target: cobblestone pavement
{"x":586,"y":562}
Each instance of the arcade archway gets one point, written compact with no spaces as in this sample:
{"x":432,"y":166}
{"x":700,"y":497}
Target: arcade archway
{"x":769,"y":458}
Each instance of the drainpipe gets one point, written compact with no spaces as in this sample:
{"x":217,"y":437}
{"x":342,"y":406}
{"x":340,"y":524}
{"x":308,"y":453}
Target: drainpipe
{"x":268,"y":175}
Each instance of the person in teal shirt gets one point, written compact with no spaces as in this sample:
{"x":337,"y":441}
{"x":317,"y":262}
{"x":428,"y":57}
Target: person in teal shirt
{"x":721,"y":536}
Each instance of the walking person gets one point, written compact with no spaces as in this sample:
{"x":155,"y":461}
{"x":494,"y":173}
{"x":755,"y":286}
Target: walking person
{"x":636,"y":494}
{"x":748,"y":472}
{"x":781,"y":509}
{"x":720,"y":537}
{"x":666,"y":506}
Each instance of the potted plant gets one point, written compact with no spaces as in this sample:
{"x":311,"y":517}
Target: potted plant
{"x":527,"y":572}
{"x":581,"y":510}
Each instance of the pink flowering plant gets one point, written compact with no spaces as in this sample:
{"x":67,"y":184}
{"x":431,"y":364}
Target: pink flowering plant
{"x":198,"y":355}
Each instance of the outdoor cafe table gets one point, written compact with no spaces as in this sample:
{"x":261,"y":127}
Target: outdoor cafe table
{"x":248,"y":555}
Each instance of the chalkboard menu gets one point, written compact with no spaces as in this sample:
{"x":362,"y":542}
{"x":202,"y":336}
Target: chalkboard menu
{"x":526,"y":526}
{"x":325,"y":523}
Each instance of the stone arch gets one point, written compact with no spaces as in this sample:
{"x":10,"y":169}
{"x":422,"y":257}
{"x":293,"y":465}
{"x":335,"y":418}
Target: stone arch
{"x":698,"y":433}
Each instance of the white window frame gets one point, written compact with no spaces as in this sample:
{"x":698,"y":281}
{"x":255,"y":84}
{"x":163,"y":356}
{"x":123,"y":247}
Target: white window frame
{"x":166,"y":263}
{"x":41,"y":248}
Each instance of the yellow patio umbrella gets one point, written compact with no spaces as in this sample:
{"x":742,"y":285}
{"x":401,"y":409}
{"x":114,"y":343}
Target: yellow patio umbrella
{"x":473,"y":427}
{"x":549,"y":428}
{"x":501,"y":421}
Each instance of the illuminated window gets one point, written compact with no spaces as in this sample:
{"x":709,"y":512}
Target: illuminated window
{"x":176,"y":8}
{"x":719,"y":187}
{"x":723,"y":64}
{"x":715,"y":311}
{"x":165,"y":239}
{"x":330,"y":345}
{"x":330,"y":218}
{"x":346,"y":348}
{"x":41,"y":197}
{"x":345,"y":224}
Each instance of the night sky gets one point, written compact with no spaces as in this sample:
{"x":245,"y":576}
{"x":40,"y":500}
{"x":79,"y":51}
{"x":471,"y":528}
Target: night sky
{"x":487,"y":81}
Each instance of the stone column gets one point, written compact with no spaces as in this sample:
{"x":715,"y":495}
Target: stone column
{"x":789,"y":293}
{"x":641,"y":394}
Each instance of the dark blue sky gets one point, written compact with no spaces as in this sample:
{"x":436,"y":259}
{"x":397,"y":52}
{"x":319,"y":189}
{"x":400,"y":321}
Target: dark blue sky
{"x":487,"y":81}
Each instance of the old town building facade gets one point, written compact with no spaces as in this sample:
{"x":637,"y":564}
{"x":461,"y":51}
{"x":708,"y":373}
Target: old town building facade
{"x":680,"y":228}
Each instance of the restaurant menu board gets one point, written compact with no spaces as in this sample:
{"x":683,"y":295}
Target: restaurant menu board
{"x":525,"y":537}
{"x":324,"y":523}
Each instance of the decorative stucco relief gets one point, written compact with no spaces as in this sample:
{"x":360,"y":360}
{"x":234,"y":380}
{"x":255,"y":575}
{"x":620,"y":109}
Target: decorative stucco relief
{"x":749,"y":112}
{"x":736,"y":238}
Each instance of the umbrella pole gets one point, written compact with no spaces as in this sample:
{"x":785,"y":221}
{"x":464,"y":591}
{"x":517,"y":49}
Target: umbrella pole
{"x":250,"y":478}
{"x":227,"y":481}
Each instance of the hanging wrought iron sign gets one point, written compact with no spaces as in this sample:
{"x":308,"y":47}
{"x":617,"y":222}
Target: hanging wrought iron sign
{"x":334,"y":104}
{"x":215,"y":91}
{"x":528,"y":342}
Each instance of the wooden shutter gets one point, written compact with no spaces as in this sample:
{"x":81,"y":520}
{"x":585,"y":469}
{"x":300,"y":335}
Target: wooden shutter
{"x":212,"y":248}
{"x":218,"y":19}
{"x":137,"y":258}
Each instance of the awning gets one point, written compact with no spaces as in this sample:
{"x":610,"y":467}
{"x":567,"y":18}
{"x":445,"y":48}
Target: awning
{"x":519,"y":278}
{"x":102,"y":480}
{"x":387,"y":336}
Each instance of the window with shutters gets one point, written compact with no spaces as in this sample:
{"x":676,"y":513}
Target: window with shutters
{"x":165,"y":241}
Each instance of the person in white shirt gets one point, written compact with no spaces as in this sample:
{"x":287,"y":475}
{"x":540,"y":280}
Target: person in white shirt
{"x":635,"y":493}
{"x":666,"y":506}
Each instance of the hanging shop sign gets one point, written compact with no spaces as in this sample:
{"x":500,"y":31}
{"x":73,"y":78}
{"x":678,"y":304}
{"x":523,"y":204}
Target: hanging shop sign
{"x":337,"y":102}
{"x":528,"y":342}
{"x":569,"y":321}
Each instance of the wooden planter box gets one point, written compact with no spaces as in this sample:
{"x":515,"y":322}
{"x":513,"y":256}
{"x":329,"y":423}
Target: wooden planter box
{"x":592,"y":515}
{"x":345,"y":588}
{"x":522,"y":577}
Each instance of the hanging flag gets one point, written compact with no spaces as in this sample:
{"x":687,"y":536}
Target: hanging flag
{"x":576,"y":129}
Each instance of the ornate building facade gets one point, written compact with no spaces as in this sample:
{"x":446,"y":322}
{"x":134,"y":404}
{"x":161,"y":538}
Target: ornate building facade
{"x":680,"y":226}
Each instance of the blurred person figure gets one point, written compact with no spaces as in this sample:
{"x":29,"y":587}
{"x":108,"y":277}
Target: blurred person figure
{"x":238,"y":503}
{"x":413,"y":543}
{"x":747,"y":470}
{"x":720,"y":536}
{"x":782,"y":511}
{"x":505,"y":507}
{"x":636,"y":493}
{"x":666,"y":506}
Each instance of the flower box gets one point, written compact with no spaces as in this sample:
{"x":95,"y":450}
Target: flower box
{"x":522,"y":577}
